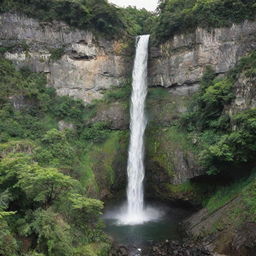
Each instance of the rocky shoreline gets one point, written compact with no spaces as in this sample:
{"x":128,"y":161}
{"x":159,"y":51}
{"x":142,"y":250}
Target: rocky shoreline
{"x":164,"y":248}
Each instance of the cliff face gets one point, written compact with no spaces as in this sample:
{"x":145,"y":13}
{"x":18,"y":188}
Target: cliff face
{"x":86,"y":66}
{"x":89,"y":65}
{"x":182,"y":60}
{"x":245,"y":95}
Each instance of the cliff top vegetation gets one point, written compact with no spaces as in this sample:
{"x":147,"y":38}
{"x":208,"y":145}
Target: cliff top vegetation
{"x":96,"y":15}
{"x":179,"y":16}
{"x":172,"y":16}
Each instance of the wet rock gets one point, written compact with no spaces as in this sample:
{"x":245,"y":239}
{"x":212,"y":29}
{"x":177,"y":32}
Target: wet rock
{"x":174,"y":248}
{"x":119,"y":250}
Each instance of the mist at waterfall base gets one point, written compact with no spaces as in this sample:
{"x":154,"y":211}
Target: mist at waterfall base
{"x":164,"y":225}
{"x":135,"y":222}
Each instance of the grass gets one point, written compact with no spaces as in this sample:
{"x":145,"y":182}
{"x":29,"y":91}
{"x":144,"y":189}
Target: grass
{"x":158,"y":93}
{"x":225,"y":194}
{"x":98,"y":166}
{"x":118,"y":94}
{"x":162,"y":145}
{"x":56,"y":54}
{"x":94,"y":249}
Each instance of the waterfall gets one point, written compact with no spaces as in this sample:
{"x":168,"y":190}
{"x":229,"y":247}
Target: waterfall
{"x":134,"y":211}
{"x":135,"y":167}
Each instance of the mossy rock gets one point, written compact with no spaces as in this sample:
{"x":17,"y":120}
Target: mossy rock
{"x":105,"y":165}
{"x":163,"y":107}
{"x":171,"y":162}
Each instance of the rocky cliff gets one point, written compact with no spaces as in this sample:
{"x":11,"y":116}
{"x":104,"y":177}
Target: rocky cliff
{"x":90,"y":64}
{"x":77,"y":63}
{"x":182,"y":60}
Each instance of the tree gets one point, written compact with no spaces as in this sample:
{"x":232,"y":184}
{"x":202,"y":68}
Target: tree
{"x":44,"y":185}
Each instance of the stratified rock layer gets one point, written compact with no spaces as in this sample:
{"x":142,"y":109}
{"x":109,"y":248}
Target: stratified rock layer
{"x":88,"y":66}
{"x":182,"y":60}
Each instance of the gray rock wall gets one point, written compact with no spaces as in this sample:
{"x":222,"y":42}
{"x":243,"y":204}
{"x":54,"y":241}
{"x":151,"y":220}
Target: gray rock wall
{"x":89,"y":65}
{"x":245,"y":95}
{"x":182,"y":60}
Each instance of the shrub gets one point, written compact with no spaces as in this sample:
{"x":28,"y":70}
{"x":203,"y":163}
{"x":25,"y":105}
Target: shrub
{"x":84,"y":14}
{"x":56,"y":54}
{"x":224,"y":141}
{"x":178,"y":16}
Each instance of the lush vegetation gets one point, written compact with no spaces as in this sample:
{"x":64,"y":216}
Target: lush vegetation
{"x":178,"y":16}
{"x":212,"y":133}
{"x":47,"y":174}
{"x":224,"y":141}
{"x":84,"y":14}
{"x":172,"y":16}
{"x":137,"y":22}
{"x":96,"y":15}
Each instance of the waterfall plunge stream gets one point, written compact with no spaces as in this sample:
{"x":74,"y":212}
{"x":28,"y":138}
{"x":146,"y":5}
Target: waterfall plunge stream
{"x":135,"y":168}
{"x":135,"y":212}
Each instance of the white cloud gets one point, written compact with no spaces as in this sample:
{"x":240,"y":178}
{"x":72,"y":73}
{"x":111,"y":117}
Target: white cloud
{"x":147,"y":4}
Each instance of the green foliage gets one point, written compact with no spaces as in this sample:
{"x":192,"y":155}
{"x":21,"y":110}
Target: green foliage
{"x":235,"y":147}
{"x":93,"y":249}
{"x":118,"y":94}
{"x":163,"y":146}
{"x":3,"y":50}
{"x":39,"y":201}
{"x":250,"y":201}
{"x":247,"y":64}
{"x":56,"y":53}
{"x":208,"y":104}
{"x":82,"y":208}
{"x":137,"y":22}
{"x":56,"y":149}
{"x":53,"y":233}
{"x":68,"y":108}
{"x":97,"y":15}
{"x":84,"y":14}
{"x":157,"y":93}
{"x":43,"y":185}
{"x":102,"y":161}
{"x":37,"y":194}
{"x":176,"y":16}
{"x":38,"y":106}
{"x":97,"y":132}
{"x":224,"y":195}
{"x":85,"y":208}
{"x":223,"y":141}
{"x":8,"y":244}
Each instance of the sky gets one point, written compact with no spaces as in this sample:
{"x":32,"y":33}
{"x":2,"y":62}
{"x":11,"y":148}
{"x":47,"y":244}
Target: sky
{"x":147,"y":4}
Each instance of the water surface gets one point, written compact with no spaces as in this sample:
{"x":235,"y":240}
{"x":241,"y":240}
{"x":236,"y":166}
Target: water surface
{"x":163,"y":228}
